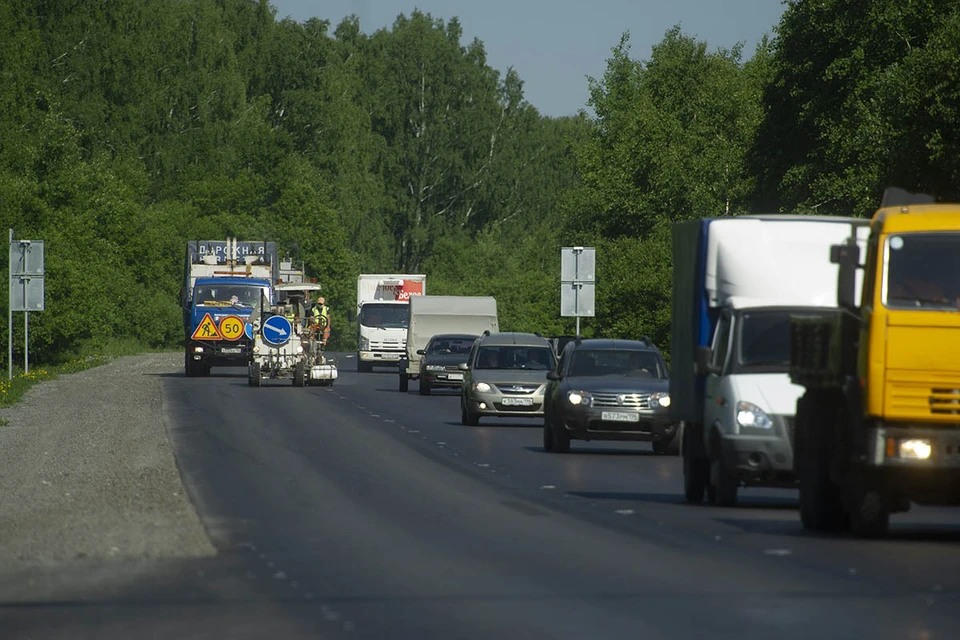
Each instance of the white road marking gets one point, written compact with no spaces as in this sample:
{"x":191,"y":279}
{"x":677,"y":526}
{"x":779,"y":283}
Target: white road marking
{"x":777,"y":552}
{"x":548,"y":486}
{"x":624,"y":512}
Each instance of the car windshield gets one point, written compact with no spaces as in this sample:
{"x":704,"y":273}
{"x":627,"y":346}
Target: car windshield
{"x":515,"y":357}
{"x":764,"y":338}
{"x":449,"y":346}
{"x":923,"y":271}
{"x":228,"y":295}
{"x":386,"y":316}
{"x":608,"y":362}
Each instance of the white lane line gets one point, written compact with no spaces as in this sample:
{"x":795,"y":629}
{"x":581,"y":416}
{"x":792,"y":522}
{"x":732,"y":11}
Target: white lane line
{"x":548,"y":486}
{"x":624,"y":512}
{"x":777,"y":552}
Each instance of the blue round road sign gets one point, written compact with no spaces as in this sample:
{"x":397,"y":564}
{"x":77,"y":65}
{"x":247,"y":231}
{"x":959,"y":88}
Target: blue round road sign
{"x":248,"y":330}
{"x":276,"y":331}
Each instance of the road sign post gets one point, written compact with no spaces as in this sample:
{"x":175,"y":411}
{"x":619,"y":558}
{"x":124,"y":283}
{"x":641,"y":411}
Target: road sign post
{"x":577,"y":283}
{"x":26,"y":292}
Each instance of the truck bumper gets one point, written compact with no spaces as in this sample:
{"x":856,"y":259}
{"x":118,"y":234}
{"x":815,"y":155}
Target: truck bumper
{"x":385,"y":357}
{"x":759,"y":459}
{"x":231,"y":354}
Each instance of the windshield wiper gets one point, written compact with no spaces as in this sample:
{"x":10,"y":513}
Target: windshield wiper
{"x":920,"y":301}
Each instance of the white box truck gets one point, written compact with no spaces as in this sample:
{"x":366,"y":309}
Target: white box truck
{"x":736,"y":284}
{"x":381,"y":317}
{"x":436,"y":315}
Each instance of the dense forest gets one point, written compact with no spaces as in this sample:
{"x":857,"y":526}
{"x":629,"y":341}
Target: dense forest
{"x":128,"y":127}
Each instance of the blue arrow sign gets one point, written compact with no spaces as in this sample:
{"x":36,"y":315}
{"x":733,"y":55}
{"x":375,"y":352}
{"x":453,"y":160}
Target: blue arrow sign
{"x":276,"y":331}
{"x":248,"y":330}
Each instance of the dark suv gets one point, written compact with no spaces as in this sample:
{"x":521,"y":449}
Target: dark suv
{"x":609,"y":390}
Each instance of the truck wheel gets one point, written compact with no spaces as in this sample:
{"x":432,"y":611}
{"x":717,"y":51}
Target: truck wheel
{"x":424,"y":387}
{"x":722,"y":489}
{"x":188,"y":369}
{"x":299,"y":374}
{"x":821,"y":503}
{"x":869,"y":516}
{"x":467,"y":417}
{"x":253,"y":374}
{"x":696,"y":469}
{"x":404,"y":383}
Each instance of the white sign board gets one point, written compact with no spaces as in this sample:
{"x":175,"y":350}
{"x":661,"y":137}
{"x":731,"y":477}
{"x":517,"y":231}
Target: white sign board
{"x":577,"y":275}
{"x":26,"y":293}
{"x":26,"y":258}
{"x":577,"y":300}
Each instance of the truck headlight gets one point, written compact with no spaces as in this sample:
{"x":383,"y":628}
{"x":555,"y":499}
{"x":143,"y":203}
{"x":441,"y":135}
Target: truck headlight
{"x":198,"y":349}
{"x":482,"y":387}
{"x":751,"y":416}
{"x":659,"y":400}
{"x":364,"y":343}
{"x":578,"y":398}
{"x":915,"y":449}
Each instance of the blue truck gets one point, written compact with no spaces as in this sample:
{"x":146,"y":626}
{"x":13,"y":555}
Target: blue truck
{"x":226,"y":285}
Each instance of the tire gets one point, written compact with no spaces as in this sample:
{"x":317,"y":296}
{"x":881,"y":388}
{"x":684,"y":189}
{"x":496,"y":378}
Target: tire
{"x":548,"y":442}
{"x":424,"y":387}
{"x":253,"y":375}
{"x":299,"y":374}
{"x":723,"y":486}
{"x":696,"y":469}
{"x":821,"y":501}
{"x":189,"y":369}
{"x":467,"y":417}
{"x":404,"y":383}
{"x":561,"y":439}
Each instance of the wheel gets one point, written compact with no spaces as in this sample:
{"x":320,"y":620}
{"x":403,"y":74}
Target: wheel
{"x":253,"y":374}
{"x":548,"y":441}
{"x":424,"y":387}
{"x":869,"y":516}
{"x":821,"y":501}
{"x":696,"y":476}
{"x":561,"y":439}
{"x":299,"y":374}
{"x":404,"y":382}
{"x":722,"y":489}
{"x":364,"y":367}
{"x":467,"y":417}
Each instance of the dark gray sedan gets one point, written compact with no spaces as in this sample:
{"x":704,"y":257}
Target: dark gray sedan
{"x":440,"y":365}
{"x":609,"y":390}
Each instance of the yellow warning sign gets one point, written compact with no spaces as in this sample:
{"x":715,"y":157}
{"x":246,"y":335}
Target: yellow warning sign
{"x":231,"y":328}
{"x":206,"y":330}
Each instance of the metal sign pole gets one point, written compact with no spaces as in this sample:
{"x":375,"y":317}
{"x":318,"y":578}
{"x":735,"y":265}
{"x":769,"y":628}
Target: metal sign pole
{"x":10,"y":324}
{"x":576,"y":286}
{"x":26,"y":342}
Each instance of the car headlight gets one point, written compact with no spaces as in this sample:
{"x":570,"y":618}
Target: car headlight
{"x":578,"y":398}
{"x":434,"y":367}
{"x":751,"y":416}
{"x":915,"y":449}
{"x":482,"y":387}
{"x":364,"y":343}
{"x":660,"y":399}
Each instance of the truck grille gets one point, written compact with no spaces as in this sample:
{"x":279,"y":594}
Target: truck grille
{"x":945,"y":401}
{"x":633,"y":400}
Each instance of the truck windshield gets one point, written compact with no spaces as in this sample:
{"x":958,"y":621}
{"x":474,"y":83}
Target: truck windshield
{"x":514,"y":357}
{"x":385,"y":316}
{"x":245,"y":296}
{"x":923,"y":271}
{"x":607,"y":362}
{"x":764,"y":339}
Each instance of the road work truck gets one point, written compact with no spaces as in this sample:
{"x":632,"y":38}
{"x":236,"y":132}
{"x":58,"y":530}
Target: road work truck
{"x":736,"y":284}
{"x":381,"y":317}
{"x":433,"y":315}
{"x":878,"y":426}
{"x":223,"y":284}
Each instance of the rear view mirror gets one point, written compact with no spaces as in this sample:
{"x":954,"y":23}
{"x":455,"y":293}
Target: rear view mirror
{"x":701,"y":364}
{"x":847,"y":257}
{"x":463,"y":366}
{"x":421,"y":352}
{"x":553,"y":375}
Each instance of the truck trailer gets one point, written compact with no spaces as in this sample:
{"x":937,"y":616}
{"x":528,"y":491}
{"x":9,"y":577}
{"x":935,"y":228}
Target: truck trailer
{"x":736,"y":284}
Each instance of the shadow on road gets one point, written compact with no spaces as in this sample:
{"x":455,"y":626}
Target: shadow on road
{"x":574,"y":451}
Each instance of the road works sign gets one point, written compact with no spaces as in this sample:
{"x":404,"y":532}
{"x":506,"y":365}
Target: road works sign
{"x":276,"y":331}
{"x":206,"y":330}
{"x":231,"y":328}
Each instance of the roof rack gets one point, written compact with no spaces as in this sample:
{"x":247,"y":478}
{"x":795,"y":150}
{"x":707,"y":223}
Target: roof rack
{"x":647,"y":341}
{"x":897,"y":197}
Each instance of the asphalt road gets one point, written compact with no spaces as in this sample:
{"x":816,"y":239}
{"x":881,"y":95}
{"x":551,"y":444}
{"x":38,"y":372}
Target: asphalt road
{"x":360,"y":512}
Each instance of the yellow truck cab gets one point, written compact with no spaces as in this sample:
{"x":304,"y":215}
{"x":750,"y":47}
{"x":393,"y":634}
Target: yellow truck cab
{"x":878,"y":426}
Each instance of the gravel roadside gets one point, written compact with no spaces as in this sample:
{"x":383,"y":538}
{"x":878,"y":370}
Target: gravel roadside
{"x":87,"y":472}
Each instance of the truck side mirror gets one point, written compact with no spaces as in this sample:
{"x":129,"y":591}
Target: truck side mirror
{"x":701,"y":364}
{"x":352,"y":315}
{"x":553,"y":375}
{"x":847,"y":257}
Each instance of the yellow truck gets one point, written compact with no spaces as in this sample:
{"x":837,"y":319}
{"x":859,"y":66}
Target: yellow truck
{"x":878,"y":424}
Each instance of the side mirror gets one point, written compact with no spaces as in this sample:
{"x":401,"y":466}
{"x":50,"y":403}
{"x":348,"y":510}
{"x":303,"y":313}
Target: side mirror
{"x":421,"y":352}
{"x":701,"y":364}
{"x":352,"y":315}
{"x":847,"y":257}
{"x":553,"y":375}
{"x":463,"y":366}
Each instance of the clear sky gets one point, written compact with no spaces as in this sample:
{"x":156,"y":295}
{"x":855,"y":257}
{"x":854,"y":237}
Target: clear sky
{"x":555,"y":44}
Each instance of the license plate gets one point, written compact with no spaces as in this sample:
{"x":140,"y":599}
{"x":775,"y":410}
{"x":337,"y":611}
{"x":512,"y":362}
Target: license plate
{"x":620,"y":416}
{"x":454,"y":376}
{"x":517,"y":402}
{"x":230,"y":350}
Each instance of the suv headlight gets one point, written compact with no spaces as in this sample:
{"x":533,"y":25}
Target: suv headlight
{"x":751,"y":416}
{"x":660,"y":399}
{"x":579,"y":398}
{"x":482,"y":387}
{"x":434,"y":367}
